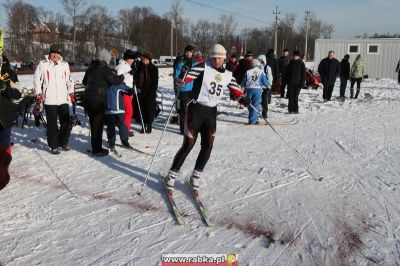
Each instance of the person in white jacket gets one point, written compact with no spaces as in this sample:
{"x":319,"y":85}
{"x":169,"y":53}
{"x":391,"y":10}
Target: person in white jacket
{"x":266,"y":93}
{"x":125,"y":68}
{"x":53,"y":87}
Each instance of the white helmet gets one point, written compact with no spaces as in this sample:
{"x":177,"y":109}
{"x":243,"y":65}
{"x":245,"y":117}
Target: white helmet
{"x":218,"y":51}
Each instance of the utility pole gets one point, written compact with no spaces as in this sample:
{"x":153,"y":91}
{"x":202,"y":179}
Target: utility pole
{"x":305,"y":48}
{"x":172,"y":43}
{"x":276,"y":13}
{"x":291,"y":18}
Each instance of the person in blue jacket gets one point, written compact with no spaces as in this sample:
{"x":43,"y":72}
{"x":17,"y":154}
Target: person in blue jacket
{"x":185,"y":90}
{"x":253,"y":81}
{"x":115,"y":111}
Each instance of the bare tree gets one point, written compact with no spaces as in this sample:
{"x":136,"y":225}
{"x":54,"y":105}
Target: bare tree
{"x":201,"y":34}
{"x":176,"y":18}
{"x":21,"y":18}
{"x":72,"y":8}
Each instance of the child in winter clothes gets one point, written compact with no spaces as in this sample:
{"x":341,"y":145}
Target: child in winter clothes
{"x":253,"y":81}
{"x":266,"y":93}
{"x":115,"y":111}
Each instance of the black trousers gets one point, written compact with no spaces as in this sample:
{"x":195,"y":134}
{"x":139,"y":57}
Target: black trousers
{"x":95,"y":111}
{"x":264,"y":103}
{"x":57,"y":136}
{"x":327,"y":92}
{"x":293,"y":95}
{"x":199,"y":119}
{"x":148,"y":107}
{"x":283,"y":85}
{"x":355,"y":80}
{"x":184,"y":99}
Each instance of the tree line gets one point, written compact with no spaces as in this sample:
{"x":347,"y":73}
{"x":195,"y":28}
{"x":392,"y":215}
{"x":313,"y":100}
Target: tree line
{"x":90,"y":28}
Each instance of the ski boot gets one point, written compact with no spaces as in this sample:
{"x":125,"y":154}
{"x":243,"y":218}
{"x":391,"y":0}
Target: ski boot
{"x":169,"y":181}
{"x":194,"y":182}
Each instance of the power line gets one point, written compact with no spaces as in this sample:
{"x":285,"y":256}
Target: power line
{"x":227,"y":11}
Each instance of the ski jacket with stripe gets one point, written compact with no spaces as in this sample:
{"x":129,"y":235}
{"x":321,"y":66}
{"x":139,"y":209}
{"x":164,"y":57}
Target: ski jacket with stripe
{"x":53,"y":81}
{"x":209,"y":83}
{"x":179,"y":68}
{"x":115,"y":103}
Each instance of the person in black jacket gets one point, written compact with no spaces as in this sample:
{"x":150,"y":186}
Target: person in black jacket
{"x":398,"y":71}
{"x":283,"y":63}
{"x":273,"y":63}
{"x":8,"y":114}
{"x":147,"y":82}
{"x":295,"y":77}
{"x":329,"y":70}
{"x":243,"y":66}
{"x":8,"y":110}
{"x":344,"y":75}
{"x":98,"y":78}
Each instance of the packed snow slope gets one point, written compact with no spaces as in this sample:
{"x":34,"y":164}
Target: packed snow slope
{"x":264,"y":201}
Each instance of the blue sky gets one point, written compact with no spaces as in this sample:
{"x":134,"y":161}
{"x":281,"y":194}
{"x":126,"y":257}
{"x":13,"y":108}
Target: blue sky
{"x":349,"y":17}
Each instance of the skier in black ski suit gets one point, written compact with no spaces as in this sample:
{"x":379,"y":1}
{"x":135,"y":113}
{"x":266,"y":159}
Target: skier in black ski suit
{"x":210,"y":79}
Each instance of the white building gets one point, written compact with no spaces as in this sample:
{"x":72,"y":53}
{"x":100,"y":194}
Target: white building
{"x":380,"y":55}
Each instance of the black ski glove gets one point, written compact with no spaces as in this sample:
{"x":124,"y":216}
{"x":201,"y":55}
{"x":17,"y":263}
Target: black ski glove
{"x":245,"y":100}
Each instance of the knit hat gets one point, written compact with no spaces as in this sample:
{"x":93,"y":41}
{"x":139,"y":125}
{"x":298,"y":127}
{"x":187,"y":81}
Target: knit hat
{"x":249,"y":53}
{"x":189,"y":48}
{"x":55,"y":48}
{"x":105,"y":56}
{"x":218,"y":51}
{"x":255,"y":63}
{"x":147,"y":54}
{"x":129,"y":54}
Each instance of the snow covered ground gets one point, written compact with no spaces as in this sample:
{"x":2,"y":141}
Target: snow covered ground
{"x":74,"y":209}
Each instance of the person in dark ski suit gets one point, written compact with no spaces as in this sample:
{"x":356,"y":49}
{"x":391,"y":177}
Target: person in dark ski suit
{"x":295,"y":77}
{"x":344,"y":75}
{"x":283,"y":63}
{"x":98,"y":78}
{"x":273,"y":63}
{"x":243,"y":66}
{"x":8,"y":114}
{"x":210,"y":79}
{"x":398,"y":71}
{"x":147,"y":82}
{"x":329,"y":70}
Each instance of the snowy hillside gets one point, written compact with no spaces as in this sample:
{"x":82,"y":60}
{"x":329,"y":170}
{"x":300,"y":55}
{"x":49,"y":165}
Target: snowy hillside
{"x":266,"y":207}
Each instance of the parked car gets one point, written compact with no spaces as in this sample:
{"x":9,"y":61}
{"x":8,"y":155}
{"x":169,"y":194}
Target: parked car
{"x":76,"y":66}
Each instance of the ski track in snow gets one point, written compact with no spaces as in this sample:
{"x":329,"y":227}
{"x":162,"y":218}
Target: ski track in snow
{"x":83,"y":210}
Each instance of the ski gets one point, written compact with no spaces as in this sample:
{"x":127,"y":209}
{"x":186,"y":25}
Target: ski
{"x":200,"y":206}
{"x":134,"y":149}
{"x":173,"y":204}
{"x":114,"y":151}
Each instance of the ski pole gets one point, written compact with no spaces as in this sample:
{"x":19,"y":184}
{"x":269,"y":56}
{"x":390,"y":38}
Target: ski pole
{"x":141,"y":118}
{"x":139,"y":192}
{"x":287,"y":144}
{"x":155,"y":152}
